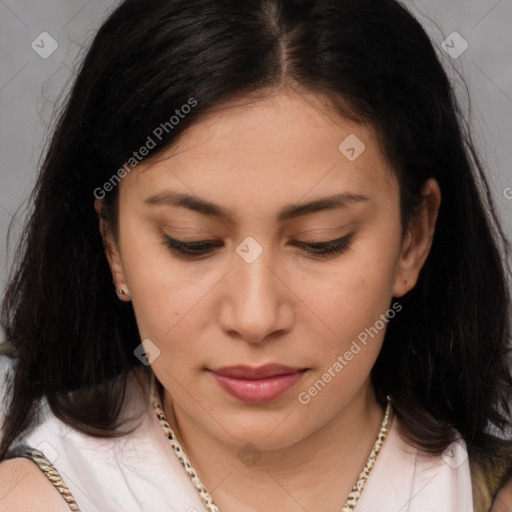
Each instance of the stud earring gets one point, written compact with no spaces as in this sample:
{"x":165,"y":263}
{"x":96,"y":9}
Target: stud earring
{"x":120,"y":292}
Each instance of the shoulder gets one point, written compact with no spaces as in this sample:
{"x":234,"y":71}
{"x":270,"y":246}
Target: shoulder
{"x":491,"y":473}
{"x":25,"y":487}
{"x":23,"y":484}
{"x":503,"y":501}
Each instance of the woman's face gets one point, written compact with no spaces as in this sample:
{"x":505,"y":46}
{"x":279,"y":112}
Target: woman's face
{"x":276,"y":174}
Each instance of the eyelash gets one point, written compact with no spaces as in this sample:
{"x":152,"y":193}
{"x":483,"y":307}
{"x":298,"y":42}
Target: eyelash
{"x":197,"y":248}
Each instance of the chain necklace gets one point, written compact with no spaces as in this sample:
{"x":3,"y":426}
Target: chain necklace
{"x":352,"y":498}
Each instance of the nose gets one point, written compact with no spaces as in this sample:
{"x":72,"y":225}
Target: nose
{"x":257,"y":304}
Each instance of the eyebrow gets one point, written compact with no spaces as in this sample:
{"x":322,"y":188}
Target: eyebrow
{"x":290,"y":211}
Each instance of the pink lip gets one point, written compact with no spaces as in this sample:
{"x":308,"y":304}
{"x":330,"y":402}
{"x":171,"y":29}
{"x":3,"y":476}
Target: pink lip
{"x":257,"y":385}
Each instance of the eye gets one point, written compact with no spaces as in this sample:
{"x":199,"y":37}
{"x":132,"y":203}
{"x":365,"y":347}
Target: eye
{"x":192,"y":249}
{"x":198,"y":248}
{"x":327,"y":248}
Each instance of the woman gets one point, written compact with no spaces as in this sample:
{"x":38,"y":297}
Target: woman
{"x":310,"y":309}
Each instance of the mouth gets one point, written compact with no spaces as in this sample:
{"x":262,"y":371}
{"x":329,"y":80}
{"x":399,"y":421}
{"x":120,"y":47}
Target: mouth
{"x":257,"y":385}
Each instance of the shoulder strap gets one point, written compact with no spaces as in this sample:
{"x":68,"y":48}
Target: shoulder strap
{"x":491,"y":467}
{"x":47,"y":468}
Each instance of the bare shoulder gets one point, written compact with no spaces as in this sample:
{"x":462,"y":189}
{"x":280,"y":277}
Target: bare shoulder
{"x":23,"y":486}
{"x":503,"y":501}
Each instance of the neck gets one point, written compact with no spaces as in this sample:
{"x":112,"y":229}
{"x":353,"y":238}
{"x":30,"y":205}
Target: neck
{"x":330,"y":461}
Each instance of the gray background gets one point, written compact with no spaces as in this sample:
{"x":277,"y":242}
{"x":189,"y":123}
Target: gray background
{"x":30,"y":86}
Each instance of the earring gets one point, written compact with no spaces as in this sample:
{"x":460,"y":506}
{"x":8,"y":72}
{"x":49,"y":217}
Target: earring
{"x":120,"y":293}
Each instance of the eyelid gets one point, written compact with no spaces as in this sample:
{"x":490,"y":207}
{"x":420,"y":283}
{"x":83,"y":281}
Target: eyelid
{"x":200,"y":242}
{"x":199,"y":249}
{"x":329,"y":241}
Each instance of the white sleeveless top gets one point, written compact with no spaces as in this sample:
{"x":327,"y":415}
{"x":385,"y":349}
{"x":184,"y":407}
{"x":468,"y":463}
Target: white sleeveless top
{"x":141,"y":473}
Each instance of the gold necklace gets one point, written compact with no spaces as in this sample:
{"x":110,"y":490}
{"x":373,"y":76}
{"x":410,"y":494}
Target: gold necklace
{"x":352,"y":498}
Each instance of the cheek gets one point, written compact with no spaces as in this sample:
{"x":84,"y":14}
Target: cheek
{"x":354,"y":294}
{"x":354,"y":308}
{"x":163,"y":289}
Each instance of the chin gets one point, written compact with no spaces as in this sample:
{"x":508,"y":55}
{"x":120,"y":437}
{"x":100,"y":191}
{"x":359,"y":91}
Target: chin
{"x":270,"y":431}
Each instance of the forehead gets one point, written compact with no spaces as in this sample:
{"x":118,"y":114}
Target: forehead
{"x":285,"y":145}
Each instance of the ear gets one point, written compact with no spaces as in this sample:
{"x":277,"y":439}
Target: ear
{"x":112,"y":252}
{"x":418,"y":240}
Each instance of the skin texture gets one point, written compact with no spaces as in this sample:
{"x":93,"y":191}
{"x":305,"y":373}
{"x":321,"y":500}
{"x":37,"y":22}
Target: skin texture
{"x":287,"y":306}
{"x":24,"y":487}
{"x":503,"y":501}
